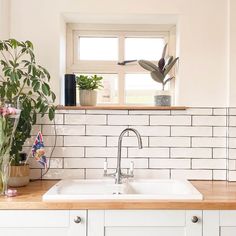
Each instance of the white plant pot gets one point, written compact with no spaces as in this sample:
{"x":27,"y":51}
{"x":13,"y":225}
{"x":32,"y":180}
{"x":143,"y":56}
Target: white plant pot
{"x":162,"y":98}
{"x":88,"y":97}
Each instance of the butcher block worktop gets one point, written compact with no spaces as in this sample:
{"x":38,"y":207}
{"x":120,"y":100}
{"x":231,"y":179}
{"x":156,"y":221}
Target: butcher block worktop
{"x":218,"y":195}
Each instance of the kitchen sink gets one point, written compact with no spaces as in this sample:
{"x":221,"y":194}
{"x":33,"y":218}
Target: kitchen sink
{"x":130,"y":189}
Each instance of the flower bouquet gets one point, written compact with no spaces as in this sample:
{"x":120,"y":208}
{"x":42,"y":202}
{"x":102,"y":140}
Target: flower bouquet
{"x":9,"y":117}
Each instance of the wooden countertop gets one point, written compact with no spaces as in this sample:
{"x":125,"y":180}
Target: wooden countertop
{"x":217,"y":195}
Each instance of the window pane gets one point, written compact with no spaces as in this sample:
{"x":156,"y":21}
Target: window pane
{"x":140,"y":89}
{"x":109,"y":93}
{"x":143,"y":48}
{"x":91,"y":48}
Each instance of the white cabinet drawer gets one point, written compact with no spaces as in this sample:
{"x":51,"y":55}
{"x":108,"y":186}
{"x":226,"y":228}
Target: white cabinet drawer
{"x":34,"y":218}
{"x":144,"y":218}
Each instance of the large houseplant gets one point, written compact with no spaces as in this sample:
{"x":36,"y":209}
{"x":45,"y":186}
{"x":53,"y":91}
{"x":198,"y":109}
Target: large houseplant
{"x":88,"y":86}
{"x":24,"y":83}
{"x":160,"y":73}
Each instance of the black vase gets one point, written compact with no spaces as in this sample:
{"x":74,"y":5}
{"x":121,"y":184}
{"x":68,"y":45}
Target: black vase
{"x":70,"y":90}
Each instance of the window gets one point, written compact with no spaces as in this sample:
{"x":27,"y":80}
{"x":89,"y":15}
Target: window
{"x":96,"y":49}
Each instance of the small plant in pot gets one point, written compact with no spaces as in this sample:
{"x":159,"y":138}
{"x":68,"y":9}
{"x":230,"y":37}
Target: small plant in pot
{"x":159,"y":73}
{"x":24,"y":84}
{"x":88,"y":86}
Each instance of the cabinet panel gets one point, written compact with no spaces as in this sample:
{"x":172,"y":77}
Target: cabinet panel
{"x":34,"y":218}
{"x":228,"y":231}
{"x":227,"y":218}
{"x":144,"y":218}
{"x":144,"y":231}
{"x":35,"y":231}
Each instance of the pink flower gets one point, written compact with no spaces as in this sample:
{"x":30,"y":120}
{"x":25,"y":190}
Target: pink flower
{"x":7,"y":111}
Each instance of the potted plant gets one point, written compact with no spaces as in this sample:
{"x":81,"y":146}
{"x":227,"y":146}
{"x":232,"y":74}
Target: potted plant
{"x":88,"y":86}
{"x":24,"y":83}
{"x":160,"y":73}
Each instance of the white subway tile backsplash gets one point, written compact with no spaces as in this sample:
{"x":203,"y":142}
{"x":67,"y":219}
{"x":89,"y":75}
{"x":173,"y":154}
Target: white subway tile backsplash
{"x":84,"y":141}
{"x":104,"y":130}
{"x":219,"y":152}
{"x":193,"y":111}
{"x":149,"y":152}
{"x":104,"y":152}
{"x":170,"y":120}
{"x":219,"y":131}
{"x":220,"y":111}
{"x":85,"y":119}
{"x":209,"y":163}
{"x":191,"y":131}
{"x":128,"y":120}
{"x":68,"y":152}
{"x":219,"y":174}
{"x":169,"y":141}
{"x":192,"y":174}
{"x":187,"y":144}
{"x":65,"y":174}
{"x":170,"y":163}
{"x":127,"y":142}
{"x":125,"y":163}
{"x":209,"y":120}
{"x":191,"y":153}
{"x":151,"y":174}
{"x":63,"y":130}
{"x":45,"y":120}
{"x":149,"y":112}
{"x":208,"y":142}
{"x":84,"y":162}
{"x":151,"y":130}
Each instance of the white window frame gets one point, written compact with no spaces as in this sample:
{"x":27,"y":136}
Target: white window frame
{"x":121,"y":32}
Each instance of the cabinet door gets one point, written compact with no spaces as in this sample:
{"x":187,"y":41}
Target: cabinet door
{"x":219,"y":223}
{"x":42,"y":222}
{"x":143,"y":223}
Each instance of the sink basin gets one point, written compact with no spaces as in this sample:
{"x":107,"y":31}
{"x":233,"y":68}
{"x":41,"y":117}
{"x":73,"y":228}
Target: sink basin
{"x":132,"y":189}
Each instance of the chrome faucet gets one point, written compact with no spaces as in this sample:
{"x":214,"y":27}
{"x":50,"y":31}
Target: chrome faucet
{"x":118,"y":174}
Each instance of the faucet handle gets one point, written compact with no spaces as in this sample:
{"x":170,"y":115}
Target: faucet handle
{"x":131,"y":168}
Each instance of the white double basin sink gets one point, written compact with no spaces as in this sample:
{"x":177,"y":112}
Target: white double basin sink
{"x":170,"y":189}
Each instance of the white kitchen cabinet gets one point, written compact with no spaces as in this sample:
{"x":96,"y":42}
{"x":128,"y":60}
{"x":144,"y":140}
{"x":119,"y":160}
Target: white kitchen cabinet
{"x":144,"y":223}
{"x":42,"y":223}
{"x":219,"y":223}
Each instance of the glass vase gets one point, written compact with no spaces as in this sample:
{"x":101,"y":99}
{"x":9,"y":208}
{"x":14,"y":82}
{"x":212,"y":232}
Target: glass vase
{"x":4,"y":174}
{"x":9,"y":117}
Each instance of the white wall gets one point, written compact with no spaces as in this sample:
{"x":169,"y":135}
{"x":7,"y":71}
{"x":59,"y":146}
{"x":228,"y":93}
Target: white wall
{"x":232,"y":97}
{"x":202,"y":38}
{"x":4,"y":19}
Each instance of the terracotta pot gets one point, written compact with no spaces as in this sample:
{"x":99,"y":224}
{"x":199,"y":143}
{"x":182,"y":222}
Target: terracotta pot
{"x":19,"y":175}
{"x":88,"y":97}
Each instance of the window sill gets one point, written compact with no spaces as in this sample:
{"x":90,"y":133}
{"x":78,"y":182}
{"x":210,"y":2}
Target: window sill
{"x":121,"y":107}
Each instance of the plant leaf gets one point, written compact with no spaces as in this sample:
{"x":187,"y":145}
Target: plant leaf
{"x":164,"y":51}
{"x":157,"y":76}
{"x":147,"y":65}
{"x":169,"y":67}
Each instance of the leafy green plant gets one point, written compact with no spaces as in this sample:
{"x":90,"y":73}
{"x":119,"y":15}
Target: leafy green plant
{"x":85,"y":82}
{"x":24,"y":82}
{"x":160,"y":72}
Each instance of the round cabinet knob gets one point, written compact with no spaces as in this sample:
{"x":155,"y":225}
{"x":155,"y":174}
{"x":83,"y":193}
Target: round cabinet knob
{"x":77,"y":220}
{"x":194,"y":219}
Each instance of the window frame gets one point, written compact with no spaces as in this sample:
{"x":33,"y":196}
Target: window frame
{"x":73,"y":65}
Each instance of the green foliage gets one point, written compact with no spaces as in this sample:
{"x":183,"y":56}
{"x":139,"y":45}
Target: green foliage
{"x":159,"y":73}
{"x":85,"y":82}
{"x":24,"y":82}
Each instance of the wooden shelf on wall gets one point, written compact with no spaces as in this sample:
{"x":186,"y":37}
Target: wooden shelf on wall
{"x":120,"y":107}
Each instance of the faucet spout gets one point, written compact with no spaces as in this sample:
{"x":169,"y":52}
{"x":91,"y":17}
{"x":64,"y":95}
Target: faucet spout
{"x":118,"y":174}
